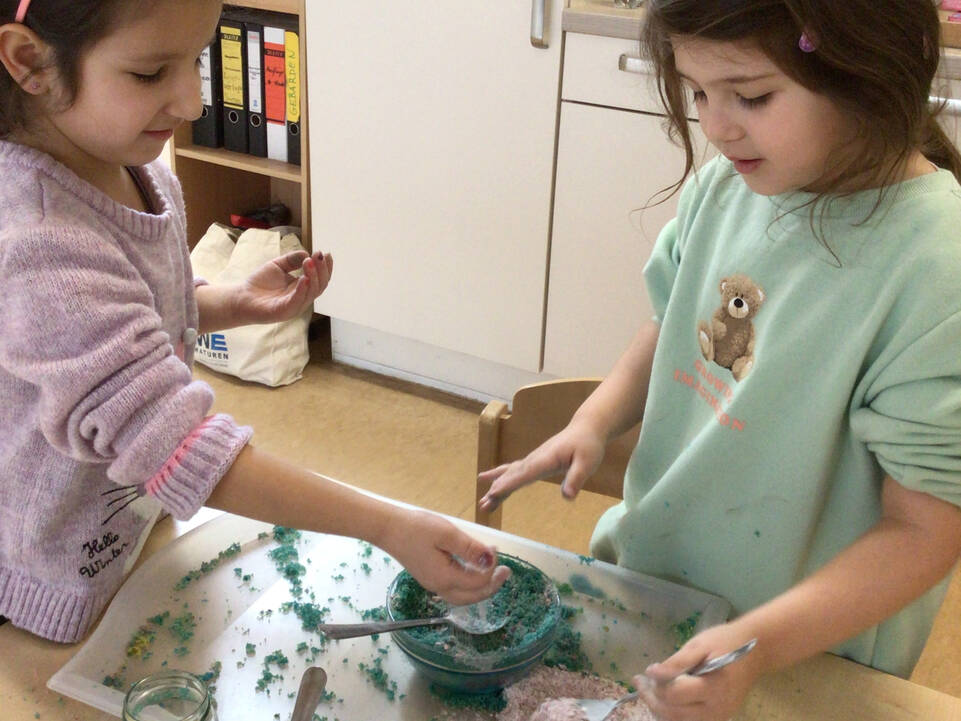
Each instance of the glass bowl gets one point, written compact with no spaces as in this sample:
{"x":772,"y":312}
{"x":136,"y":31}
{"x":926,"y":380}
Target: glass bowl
{"x":457,"y":661}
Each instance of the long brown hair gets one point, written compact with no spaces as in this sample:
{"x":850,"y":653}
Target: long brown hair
{"x":876,"y":59}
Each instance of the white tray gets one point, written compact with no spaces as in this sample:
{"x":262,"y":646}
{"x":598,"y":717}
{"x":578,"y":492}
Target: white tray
{"x":625,"y":627}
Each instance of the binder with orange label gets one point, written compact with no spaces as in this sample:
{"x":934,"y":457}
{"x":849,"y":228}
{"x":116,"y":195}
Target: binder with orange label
{"x":275,"y":92}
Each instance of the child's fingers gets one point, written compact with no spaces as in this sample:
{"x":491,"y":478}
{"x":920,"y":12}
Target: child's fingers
{"x":492,"y":473}
{"x":464,"y":594}
{"x":322,"y":266}
{"x":575,"y":478}
{"x":289,"y":262}
{"x":514,"y":476}
{"x":313,"y":279}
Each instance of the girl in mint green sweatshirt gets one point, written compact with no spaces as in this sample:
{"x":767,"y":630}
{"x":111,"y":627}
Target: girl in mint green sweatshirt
{"x":799,"y":389}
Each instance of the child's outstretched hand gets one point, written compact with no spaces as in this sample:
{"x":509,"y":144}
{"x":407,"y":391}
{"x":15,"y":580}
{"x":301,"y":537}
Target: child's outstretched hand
{"x":272,"y":294}
{"x":444,"y":559}
{"x":576,"y":451}
{"x":715,"y":696}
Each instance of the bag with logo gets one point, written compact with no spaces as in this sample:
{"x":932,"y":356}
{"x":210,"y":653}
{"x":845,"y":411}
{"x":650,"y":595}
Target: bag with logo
{"x":273,"y":354}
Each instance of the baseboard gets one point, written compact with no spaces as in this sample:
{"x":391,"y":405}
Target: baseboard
{"x":427,"y":365}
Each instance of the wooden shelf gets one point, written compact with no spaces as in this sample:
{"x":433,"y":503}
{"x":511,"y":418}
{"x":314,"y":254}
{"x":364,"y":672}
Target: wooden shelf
{"x":950,"y":31}
{"x":241,"y":161}
{"x":280,"y":6}
{"x":218,"y":182}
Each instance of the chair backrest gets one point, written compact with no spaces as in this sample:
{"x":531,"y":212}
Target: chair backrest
{"x":539,"y":411}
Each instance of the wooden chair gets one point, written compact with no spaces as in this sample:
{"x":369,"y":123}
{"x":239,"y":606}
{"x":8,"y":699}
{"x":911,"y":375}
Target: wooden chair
{"x":539,"y":411}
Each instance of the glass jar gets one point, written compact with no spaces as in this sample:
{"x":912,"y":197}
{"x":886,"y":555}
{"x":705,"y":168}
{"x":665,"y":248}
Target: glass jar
{"x":171,"y":696}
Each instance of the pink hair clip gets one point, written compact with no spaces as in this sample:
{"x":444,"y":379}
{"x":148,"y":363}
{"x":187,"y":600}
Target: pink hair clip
{"x":805,"y":44}
{"x":22,"y":10}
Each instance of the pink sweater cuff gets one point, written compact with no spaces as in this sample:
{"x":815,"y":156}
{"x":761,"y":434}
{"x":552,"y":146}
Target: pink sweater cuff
{"x":200,"y":461}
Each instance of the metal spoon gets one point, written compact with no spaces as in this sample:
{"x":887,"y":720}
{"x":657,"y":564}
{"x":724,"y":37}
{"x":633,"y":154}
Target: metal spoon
{"x":600,"y":709}
{"x":473,"y":619}
{"x":308,"y":695}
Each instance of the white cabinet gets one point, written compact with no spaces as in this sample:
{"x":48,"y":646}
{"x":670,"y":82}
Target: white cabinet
{"x":612,"y":161}
{"x":431,"y":142}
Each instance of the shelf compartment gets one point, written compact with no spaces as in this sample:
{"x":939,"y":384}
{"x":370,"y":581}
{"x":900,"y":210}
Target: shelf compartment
{"x":241,"y":161}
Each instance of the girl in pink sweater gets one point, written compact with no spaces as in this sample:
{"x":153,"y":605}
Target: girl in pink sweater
{"x":102,"y":424}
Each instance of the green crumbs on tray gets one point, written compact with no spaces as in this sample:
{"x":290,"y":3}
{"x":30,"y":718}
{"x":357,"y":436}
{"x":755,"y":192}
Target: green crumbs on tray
{"x":684,"y":630}
{"x":376,"y":675}
{"x":182,"y":627}
{"x":207,"y":566}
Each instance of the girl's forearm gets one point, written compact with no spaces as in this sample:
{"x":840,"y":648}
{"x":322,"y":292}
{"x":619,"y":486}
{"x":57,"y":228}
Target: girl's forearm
{"x":264,"y":487}
{"x":888,"y":567}
{"x":618,"y":403}
{"x":215,"y":308}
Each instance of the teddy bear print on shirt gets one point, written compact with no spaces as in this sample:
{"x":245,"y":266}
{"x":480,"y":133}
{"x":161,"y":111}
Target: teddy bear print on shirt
{"x":728,"y":339}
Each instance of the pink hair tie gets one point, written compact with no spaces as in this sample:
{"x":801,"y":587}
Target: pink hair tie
{"x":22,"y":10}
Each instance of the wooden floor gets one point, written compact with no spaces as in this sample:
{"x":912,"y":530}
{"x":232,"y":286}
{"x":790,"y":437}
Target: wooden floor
{"x":419,"y":446}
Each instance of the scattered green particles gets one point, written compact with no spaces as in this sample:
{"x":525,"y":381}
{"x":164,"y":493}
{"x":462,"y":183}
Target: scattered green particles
{"x":207,"y":566}
{"x":116,"y":681}
{"x":267,"y":676}
{"x":376,"y":675}
{"x":159,"y":619}
{"x":492,"y":702}
{"x":310,"y":614}
{"x":287,"y":561}
{"x":244,"y":577}
{"x":211,"y":676}
{"x":683,"y":631}
{"x":183,"y":626}
{"x":565,"y":651}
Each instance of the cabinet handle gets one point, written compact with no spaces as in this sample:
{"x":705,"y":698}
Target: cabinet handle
{"x":633,"y":64}
{"x":537,"y":23}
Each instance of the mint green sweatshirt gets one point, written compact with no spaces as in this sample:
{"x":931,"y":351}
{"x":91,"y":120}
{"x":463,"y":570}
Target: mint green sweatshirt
{"x":788,"y":381}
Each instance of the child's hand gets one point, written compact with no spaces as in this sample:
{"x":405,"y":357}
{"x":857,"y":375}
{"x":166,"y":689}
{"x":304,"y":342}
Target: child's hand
{"x":442,"y":558}
{"x":271,"y":294}
{"x":715,"y":696}
{"x":576,"y":451}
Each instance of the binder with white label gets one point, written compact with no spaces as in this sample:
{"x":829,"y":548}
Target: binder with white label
{"x":208,"y":129}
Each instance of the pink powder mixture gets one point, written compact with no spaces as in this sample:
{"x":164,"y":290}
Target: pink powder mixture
{"x":559,"y":709}
{"x":545,"y":684}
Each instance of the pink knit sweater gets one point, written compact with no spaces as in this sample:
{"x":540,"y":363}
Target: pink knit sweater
{"x":101,"y":424}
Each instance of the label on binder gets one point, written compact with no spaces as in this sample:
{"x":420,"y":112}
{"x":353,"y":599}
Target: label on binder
{"x":253,"y":72}
{"x":292,"y":56}
{"x":233,"y":66}
{"x":206,"y":78}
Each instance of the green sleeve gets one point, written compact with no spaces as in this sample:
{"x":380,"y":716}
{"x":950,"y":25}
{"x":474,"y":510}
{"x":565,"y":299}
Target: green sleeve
{"x":661,"y":268}
{"x":911,"y":415}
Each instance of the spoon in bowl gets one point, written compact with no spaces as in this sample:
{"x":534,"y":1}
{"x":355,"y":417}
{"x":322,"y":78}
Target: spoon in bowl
{"x":475,"y":619}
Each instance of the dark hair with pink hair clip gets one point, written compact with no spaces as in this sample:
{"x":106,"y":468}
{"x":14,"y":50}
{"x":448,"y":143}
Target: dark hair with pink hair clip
{"x":876,"y":59}
{"x":68,"y":27}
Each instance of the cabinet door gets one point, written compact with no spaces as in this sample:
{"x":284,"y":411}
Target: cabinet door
{"x":431,"y":136}
{"x":610,"y":165}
